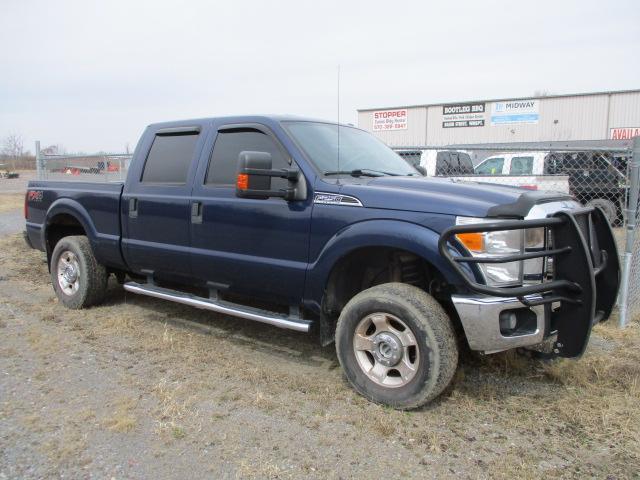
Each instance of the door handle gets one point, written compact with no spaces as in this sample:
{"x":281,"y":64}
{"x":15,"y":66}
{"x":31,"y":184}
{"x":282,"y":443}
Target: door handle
{"x":196,"y":212}
{"x":133,"y":208}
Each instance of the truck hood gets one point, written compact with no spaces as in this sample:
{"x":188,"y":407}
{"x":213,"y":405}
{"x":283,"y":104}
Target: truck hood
{"x":445,"y":196}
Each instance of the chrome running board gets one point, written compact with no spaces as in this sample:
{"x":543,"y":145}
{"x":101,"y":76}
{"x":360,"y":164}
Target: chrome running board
{"x":221,"y":306}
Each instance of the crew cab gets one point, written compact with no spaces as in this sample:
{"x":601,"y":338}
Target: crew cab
{"x":321,"y":228}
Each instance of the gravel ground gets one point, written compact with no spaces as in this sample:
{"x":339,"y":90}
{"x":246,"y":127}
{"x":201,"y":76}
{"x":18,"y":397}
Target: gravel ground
{"x":141,"y":388}
{"x":17,"y":185}
{"x":11,"y":222}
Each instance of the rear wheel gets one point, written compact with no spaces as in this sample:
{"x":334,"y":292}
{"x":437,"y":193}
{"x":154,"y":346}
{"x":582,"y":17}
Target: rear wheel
{"x":396,"y":345}
{"x":78,"y":279}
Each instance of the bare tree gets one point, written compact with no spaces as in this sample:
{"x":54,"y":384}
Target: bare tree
{"x":13,"y":148}
{"x":56,"y":149}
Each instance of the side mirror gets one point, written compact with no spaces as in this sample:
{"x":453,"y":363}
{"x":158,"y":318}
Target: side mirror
{"x":255,"y":173}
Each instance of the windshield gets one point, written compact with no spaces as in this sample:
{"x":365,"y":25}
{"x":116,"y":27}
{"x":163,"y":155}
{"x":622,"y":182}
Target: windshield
{"x":360,"y":152}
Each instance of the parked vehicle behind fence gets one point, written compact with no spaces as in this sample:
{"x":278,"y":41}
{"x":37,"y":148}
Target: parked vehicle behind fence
{"x":439,"y":162}
{"x":593,"y":178}
{"x":321,"y":228}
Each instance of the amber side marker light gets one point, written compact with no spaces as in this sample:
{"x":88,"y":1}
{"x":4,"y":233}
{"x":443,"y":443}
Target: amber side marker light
{"x":26,"y":205}
{"x":473,"y":241}
{"x":243,"y":181}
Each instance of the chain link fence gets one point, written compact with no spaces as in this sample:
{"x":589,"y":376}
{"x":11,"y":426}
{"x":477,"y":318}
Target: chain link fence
{"x":602,"y":177}
{"x":630,"y":295}
{"x":102,"y":167}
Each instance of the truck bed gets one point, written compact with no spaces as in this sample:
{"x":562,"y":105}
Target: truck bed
{"x":96,"y":203}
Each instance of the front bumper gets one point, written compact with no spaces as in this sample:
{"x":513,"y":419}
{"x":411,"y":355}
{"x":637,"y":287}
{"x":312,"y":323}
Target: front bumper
{"x":579,"y":292}
{"x":480,"y":318}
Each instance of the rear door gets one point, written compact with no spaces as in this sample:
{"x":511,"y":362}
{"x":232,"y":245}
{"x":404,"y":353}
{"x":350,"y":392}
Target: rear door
{"x":251,"y":247}
{"x":156,"y":203}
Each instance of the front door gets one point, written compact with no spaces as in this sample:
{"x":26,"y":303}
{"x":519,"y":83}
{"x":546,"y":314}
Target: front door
{"x":252,"y":247}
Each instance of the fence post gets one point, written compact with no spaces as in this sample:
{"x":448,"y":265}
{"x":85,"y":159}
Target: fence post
{"x":38,"y":160}
{"x":631,"y":215}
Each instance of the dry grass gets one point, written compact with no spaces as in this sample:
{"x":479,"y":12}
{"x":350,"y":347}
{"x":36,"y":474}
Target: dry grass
{"x":65,"y":448}
{"x":122,"y":418}
{"x":11,"y":201}
{"x":173,"y":407}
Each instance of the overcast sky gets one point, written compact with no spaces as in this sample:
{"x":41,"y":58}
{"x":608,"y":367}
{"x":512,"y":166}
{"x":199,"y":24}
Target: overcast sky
{"x":91,"y":74}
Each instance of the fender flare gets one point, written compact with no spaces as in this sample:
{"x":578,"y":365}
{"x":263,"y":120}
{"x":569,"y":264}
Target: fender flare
{"x":74,"y":209}
{"x":414,"y":238}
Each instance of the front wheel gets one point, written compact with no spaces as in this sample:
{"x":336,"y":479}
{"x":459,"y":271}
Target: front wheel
{"x":78,"y":279}
{"x":396,"y":345}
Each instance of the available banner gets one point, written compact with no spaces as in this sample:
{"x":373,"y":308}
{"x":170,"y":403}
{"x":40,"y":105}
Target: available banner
{"x":463,"y":115}
{"x":515,"y":111}
{"x":624,"y":133}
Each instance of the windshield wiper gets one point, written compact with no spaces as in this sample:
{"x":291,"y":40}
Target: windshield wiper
{"x":360,"y":172}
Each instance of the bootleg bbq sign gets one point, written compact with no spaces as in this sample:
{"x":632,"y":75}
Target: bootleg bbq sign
{"x":463,"y":115}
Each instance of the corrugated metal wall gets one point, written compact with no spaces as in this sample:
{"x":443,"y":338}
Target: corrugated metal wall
{"x":561,"y":118}
{"x":624,"y":110}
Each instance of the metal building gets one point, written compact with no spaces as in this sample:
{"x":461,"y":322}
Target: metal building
{"x":584,"y":116}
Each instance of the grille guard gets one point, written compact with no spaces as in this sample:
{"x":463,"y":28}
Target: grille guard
{"x":585,"y":277}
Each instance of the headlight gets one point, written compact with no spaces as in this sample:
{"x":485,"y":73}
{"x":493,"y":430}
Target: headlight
{"x":499,"y":244}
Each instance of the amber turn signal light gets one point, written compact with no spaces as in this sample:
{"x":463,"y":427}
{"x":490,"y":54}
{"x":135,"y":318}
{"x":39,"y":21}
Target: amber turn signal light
{"x":473,"y":241}
{"x":243,"y":181}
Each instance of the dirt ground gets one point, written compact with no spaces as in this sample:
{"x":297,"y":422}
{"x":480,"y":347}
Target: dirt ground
{"x":141,"y":388}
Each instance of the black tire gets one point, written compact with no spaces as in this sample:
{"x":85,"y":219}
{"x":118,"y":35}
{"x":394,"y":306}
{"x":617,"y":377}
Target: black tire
{"x":608,"y":207}
{"x":91,"y":279}
{"x":434,"y":334}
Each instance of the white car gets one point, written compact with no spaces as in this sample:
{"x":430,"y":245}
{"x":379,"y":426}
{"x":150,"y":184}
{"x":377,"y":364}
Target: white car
{"x":521,"y":169}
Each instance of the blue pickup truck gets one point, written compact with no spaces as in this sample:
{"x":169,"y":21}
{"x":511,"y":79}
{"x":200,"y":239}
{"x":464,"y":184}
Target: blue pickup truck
{"x":320,"y":228}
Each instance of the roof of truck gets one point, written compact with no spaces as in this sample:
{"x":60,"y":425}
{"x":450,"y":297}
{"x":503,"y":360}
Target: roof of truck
{"x":243,"y":119}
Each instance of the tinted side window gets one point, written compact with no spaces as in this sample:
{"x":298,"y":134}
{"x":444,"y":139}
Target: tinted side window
{"x":466,"y":166}
{"x":412,"y":158}
{"x":169,"y":159}
{"x":521,"y":165}
{"x":551,"y":164}
{"x":224,"y":158}
{"x":443,"y":163}
{"x":491,"y":166}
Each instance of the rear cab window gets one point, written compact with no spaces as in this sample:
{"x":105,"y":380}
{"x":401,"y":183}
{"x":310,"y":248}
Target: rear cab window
{"x":443,"y":163}
{"x":466,"y":165}
{"x":169,"y":158}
